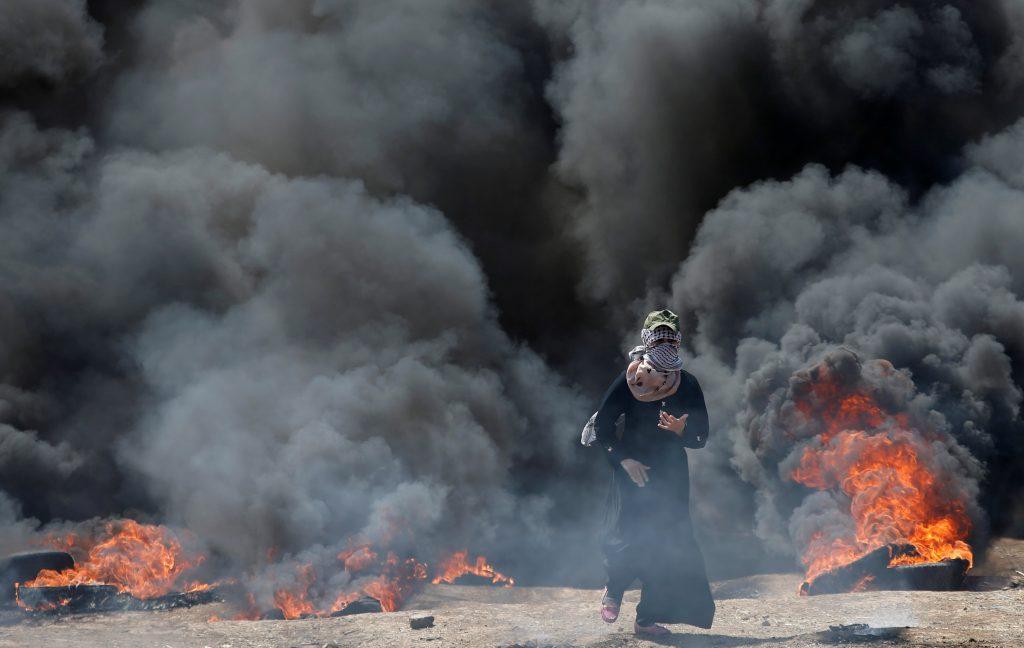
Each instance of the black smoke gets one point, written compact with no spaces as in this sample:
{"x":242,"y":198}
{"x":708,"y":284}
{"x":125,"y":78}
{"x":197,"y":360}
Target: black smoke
{"x":282,"y":271}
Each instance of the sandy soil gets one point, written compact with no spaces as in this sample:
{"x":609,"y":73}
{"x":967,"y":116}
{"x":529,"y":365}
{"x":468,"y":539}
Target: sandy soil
{"x":754,"y":611}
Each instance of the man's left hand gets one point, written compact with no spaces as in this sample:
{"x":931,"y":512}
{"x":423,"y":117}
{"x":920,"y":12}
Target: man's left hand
{"x":671,"y":423}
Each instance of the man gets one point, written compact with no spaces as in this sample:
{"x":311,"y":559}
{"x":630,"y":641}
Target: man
{"x":649,"y":535}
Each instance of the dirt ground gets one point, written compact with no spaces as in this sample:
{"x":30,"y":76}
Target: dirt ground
{"x":754,"y":611}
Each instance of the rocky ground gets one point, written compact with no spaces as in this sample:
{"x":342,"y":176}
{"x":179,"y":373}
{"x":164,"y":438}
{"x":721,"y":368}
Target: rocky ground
{"x":754,"y":611}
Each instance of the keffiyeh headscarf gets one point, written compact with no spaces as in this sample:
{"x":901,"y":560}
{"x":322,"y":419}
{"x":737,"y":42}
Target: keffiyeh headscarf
{"x":653,"y":371}
{"x":664,"y":357}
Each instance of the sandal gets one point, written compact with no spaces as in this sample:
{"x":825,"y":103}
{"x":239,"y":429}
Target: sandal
{"x":653,"y":630}
{"x":609,"y":608}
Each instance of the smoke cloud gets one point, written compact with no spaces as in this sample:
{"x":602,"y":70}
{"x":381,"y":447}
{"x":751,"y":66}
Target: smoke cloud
{"x":286,"y":273}
{"x":666,"y":107}
{"x":258,"y":333}
{"x":848,"y":260}
{"x":48,"y":41}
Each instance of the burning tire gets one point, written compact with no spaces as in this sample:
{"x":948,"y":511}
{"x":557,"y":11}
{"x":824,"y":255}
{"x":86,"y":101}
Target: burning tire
{"x":361,"y":605}
{"x":874,"y":572}
{"x":937,"y":576}
{"x":22,"y":567}
{"x":77,"y":598}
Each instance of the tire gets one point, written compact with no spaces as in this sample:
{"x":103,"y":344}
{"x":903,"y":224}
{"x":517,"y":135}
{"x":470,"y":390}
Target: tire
{"x":22,"y":567}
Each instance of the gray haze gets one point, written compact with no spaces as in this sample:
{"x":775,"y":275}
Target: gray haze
{"x":286,"y":272}
{"x":820,"y":261}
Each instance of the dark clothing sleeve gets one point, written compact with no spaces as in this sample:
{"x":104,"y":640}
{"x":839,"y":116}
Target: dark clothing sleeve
{"x":697,"y":426}
{"x":612,"y":406}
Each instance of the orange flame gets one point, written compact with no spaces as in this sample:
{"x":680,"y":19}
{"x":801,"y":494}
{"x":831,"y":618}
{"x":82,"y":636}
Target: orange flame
{"x":143,"y":560}
{"x":458,"y":565}
{"x":875,"y":459}
{"x":45,"y":606}
{"x":148,"y":561}
{"x":295,"y":603}
{"x":397,"y":579}
{"x":825,"y":402}
{"x":358,"y":558}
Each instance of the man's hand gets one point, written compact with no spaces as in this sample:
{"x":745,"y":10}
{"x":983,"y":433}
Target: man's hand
{"x":673,"y":424}
{"x":636,"y":471}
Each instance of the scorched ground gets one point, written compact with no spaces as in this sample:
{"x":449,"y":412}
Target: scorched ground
{"x":754,"y":611}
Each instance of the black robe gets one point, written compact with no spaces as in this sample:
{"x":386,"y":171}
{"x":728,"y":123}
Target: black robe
{"x":648,"y":531}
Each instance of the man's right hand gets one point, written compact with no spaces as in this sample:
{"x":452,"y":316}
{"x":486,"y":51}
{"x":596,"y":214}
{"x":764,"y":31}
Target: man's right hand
{"x":636,"y":471}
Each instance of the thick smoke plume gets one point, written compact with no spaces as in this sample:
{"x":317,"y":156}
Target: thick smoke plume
{"x":285,"y":273}
{"x":848,"y":260}
{"x":880,"y":211}
{"x":248,"y":328}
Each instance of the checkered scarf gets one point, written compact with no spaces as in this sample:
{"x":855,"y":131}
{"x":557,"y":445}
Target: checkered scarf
{"x":664,"y":357}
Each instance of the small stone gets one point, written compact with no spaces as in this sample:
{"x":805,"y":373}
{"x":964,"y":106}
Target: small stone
{"x":421,"y":621}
